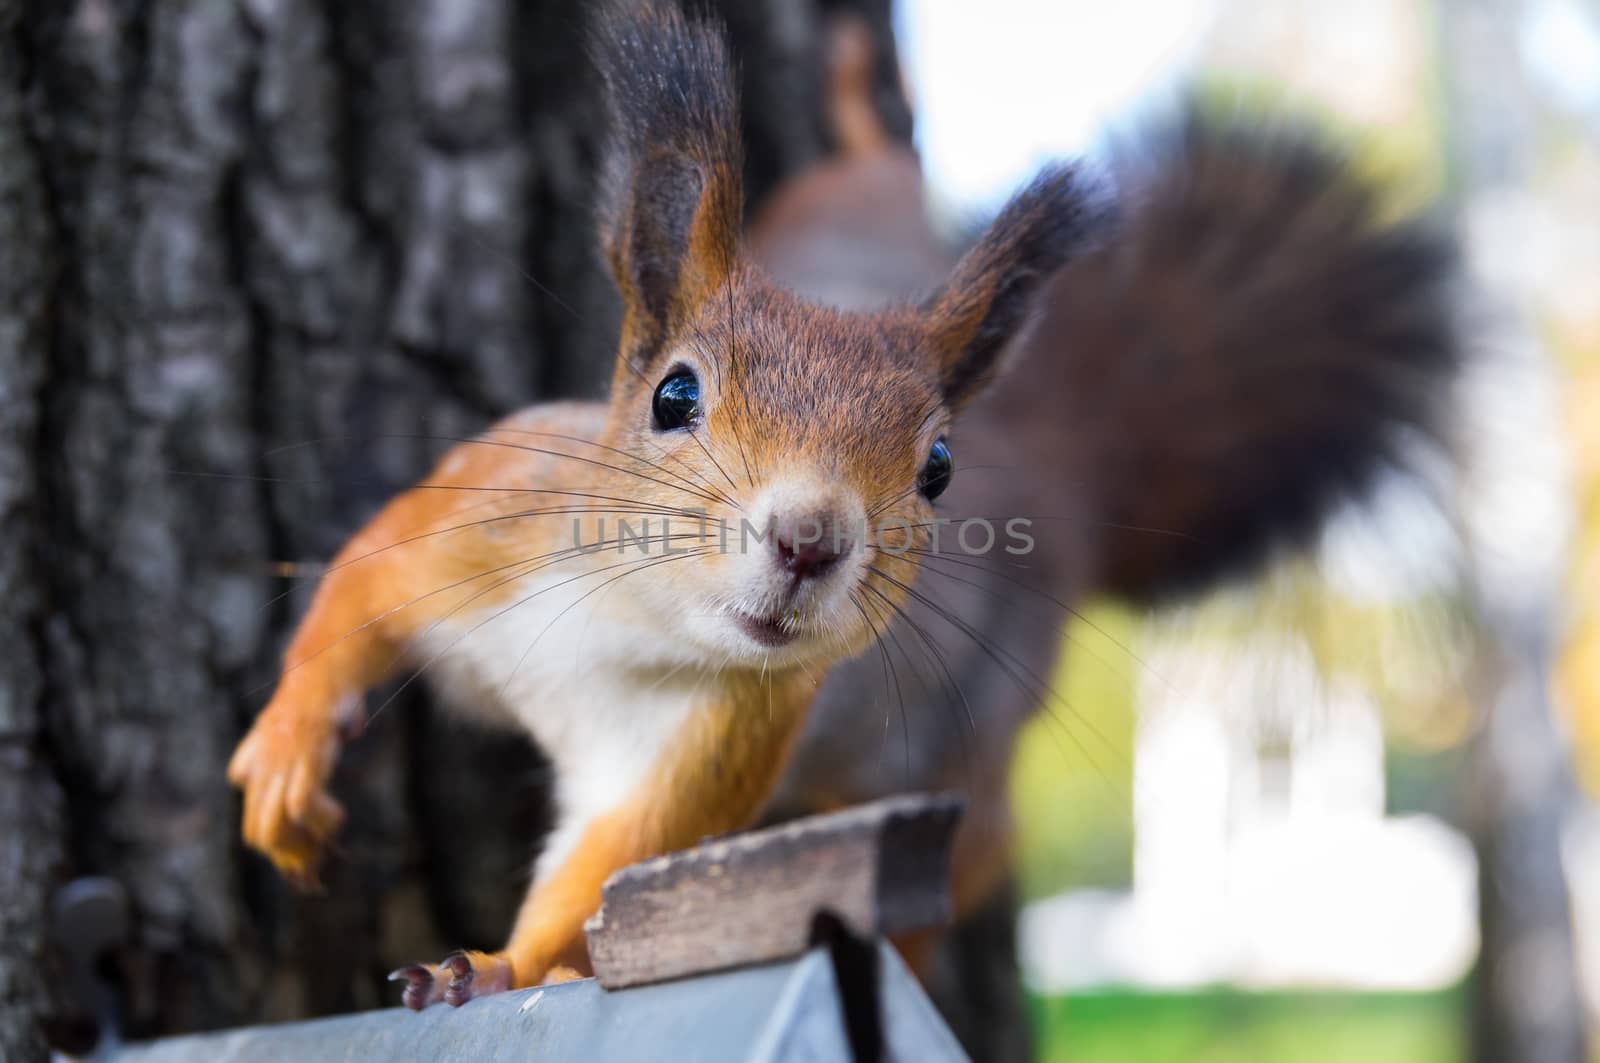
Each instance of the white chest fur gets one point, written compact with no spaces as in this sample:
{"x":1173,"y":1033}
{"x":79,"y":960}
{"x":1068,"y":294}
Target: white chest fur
{"x":603,"y":697}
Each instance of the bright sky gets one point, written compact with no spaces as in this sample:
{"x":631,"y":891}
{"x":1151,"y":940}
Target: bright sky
{"x":1004,"y":85}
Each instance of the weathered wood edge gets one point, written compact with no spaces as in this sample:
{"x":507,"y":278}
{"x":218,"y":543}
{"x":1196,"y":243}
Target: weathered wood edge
{"x":881,"y":869}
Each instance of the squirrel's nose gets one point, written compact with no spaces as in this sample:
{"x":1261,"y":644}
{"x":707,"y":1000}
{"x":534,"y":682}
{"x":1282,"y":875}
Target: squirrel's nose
{"x":808,"y":548}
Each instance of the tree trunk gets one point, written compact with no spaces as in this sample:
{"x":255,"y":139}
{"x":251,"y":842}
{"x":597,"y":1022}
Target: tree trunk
{"x":258,"y":262}
{"x":1527,"y":1007}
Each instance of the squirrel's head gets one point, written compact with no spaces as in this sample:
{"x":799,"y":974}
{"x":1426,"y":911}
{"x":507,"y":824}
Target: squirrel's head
{"x":813,"y":439}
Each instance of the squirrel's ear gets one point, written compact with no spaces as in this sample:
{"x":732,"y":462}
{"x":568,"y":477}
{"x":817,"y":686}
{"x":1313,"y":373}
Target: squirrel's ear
{"x":987,"y":299}
{"x":670,"y":200}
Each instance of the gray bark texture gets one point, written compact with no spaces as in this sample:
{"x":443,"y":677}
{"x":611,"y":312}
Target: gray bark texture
{"x":258,"y":260}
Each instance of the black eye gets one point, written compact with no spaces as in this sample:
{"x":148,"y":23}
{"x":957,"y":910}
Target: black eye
{"x":677,"y":401}
{"x":936,"y":472}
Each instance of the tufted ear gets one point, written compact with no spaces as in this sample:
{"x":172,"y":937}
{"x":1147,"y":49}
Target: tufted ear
{"x":988,"y":297}
{"x":670,"y":201}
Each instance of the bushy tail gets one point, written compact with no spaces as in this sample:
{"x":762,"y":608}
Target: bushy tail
{"x":1248,"y":350}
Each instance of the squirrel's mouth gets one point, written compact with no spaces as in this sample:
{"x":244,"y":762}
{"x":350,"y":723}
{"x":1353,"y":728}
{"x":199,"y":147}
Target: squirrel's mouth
{"x":771,"y":631}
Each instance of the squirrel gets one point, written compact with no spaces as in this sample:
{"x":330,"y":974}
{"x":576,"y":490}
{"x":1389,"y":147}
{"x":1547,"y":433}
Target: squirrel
{"x":1250,"y":345}
{"x":1193,"y":378}
{"x":665,"y":684}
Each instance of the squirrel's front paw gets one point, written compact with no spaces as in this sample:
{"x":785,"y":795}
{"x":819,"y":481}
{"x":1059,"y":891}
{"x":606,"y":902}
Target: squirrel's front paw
{"x":282,"y":766}
{"x":458,"y":978}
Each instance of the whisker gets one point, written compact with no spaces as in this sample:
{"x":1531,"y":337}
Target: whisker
{"x":935,"y":407}
{"x":905,"y":725}
{"x":689,"y":489}
{"x":710,"y":457}
{"x":691,"y":474}
{"x":914,"y":488}
{"x":550,"y":558}
{"x":482,"y":442}
{"x":520,"y":514}
{"x":690,"y":431}
{"x":929,"y":555}
{"x":935,"y":652}
{"x":929,"y":685}
{"x":502,"y":489}
{"x":1115,"y":526}
{"x":417,"y":673}
{"x":508,"y":259}
{"x":505,"y":686}
{"x":717,"y":495}
{"x":733,"y":328}
{"x":1038,"y":687}
{"x":665,"y":513}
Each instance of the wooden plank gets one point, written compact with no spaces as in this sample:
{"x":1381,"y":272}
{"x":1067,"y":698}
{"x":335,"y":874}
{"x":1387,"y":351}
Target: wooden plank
{"x":880,"y":869}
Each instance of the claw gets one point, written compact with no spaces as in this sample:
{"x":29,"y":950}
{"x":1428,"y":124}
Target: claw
{"x":458,"y":978}
{"x":421,"y":988}
{"x":459,"y":991}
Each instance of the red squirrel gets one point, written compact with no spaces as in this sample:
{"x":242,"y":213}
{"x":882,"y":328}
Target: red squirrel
{"x":1242,"y":352}
{"x":666,"y":689}
{"x":1221,"y":363}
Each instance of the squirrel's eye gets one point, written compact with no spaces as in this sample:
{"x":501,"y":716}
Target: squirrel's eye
{"x":677,"y":401}
{"x":936,"y":471}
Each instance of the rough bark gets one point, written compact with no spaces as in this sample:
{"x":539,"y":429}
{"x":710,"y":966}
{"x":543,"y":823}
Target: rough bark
{"x":30,"y":799}
{"x":256,"y":258}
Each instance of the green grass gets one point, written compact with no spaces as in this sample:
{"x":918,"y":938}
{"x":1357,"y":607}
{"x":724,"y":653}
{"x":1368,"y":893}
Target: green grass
{"x":1230,"y":1026}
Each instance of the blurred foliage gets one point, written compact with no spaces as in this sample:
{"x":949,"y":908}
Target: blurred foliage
{"x":1072,"y":781}
{"x":1365,"y":71}
{"x":1406,"y":161}
{"x":1410,"y":656}
{"x":1578,"y":677}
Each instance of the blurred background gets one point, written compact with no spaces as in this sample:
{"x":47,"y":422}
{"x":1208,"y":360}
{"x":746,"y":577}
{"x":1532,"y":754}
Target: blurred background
{"x":1294,"y":818}
{"x":1345,"y":813}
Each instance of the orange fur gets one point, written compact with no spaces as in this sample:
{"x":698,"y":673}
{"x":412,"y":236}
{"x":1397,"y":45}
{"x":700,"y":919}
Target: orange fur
{"x":721,"y":770}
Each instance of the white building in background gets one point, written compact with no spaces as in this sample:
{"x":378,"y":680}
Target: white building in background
{"x":1262,"y":854}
